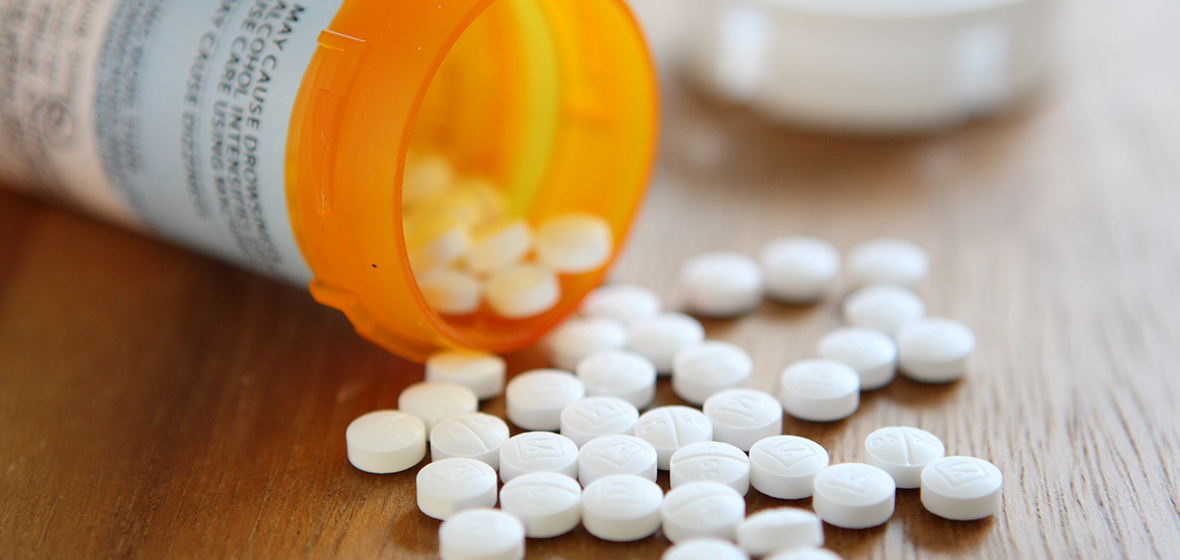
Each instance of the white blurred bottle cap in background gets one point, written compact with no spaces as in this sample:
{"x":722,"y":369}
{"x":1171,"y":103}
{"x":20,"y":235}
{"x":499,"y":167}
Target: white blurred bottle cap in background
{"x":862,"y":66}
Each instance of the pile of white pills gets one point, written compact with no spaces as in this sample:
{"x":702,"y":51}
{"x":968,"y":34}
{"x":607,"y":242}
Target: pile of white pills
{"x":467,"y":252}
{"x":600,"y":470}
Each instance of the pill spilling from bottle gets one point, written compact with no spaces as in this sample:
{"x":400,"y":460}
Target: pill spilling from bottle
{"x":728,"y":441}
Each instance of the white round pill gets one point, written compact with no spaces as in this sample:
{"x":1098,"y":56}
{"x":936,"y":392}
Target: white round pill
{"x":500,"y":248}
{"x":574,"y":243}
{"x":385,"y":441}
{"x":440,"y":252}
{"x":450,"y":292}
{"x":710,"y":461}
{"x":593,"y":417}
{"x":538,"y":452}
{"x":624,"y":303}
{"x":481,"y":534}
{"x":659,"y":338}
{"x":743,"y":416}
{"x":853,"y":495}
{"x":903,"y":453}
{"x":887,"y":261}
{"x":805,"y":554}
{"x":435,"y":402}
{"x":426,"y":177}
{"x":872,"y":353}
{"x":962,"y":488}
{"x":614,"y":455}
{"x":784,"y":467}
{"x":621,"y":374}
{"x":668,"y":428}
{"x":721,"y":284}
{"x":934,"y":350}
{"x":622,"y":508}
{"x":549,"y":504}
{"x":474,"y":435}
{"x":704,"y":549}
{"x":523,"y":291}
{"x":819,"y":390}
{"x":448,"y":486}
{"x":882,"y":307}
{"x":577,"y":338}
{"x":713,"y":366}
{"x":799,"y":269}
{"x":778,"y":529}
{"x":702,"y":509}
{"x":535,"y":398}
{"x":481,"y":372}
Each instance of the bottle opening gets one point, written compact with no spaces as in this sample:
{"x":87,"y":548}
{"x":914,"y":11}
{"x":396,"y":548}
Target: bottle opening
{"x":541,"y":112}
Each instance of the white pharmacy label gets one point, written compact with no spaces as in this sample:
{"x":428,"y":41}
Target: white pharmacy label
{"x":166,"y":114}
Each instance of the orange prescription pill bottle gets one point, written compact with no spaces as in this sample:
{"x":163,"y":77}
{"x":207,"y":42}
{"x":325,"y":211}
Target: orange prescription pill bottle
{"x":274,"y":133}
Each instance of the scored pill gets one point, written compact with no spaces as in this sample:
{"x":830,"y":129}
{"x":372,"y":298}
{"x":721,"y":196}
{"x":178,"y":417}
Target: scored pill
{"x":659,"y":338}
{"x":474,"y":436}
{"x":385,"y":441}
{"x":710,"y":461}
{"x":872,"y":353}
{"x":962,"y":488}
{"x":853,"y":495}
{"x":743,"y":416}
{"x":538,"y":452}
{"x":882,"y":307}
{"x":481,"y":372}
{"x":778,"y":529}
{"x":887,"y":261}
{"x":934,"y":350}
{"x":799,"y":269}
{"x":549,"y":504}
{"x":451,"y":292}
{"x":819,"y":390}
{"x":614,"y":455}
{"x":903,"y":452}
{"x":594,"y":417}
{"x":784,"y":467}
{"x":702,"y":509}
{"x":536,"y":398}
{"x":621,"y":374}
{"x":448,"y":486}
{"x":713,"y":366}
{"x":621,"y":508}
{"x":523,"y":291}
{"x":721,"y":284}
{"x":435,"y":402}
{"x":668,"y":428}
{"x":574,"y":243}
{"x":577,"y":338}
{"x":624,"y":303}
{"x":481,"y":534}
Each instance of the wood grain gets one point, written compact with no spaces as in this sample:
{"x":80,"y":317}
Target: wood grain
{"x":156,"y":404}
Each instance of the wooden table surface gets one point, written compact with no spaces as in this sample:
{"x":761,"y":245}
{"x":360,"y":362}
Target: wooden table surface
{"x":154,"y":403}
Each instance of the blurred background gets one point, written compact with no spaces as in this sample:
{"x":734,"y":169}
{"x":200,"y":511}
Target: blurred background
{"x":158,"y":403}
{"x":849,"y":66}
